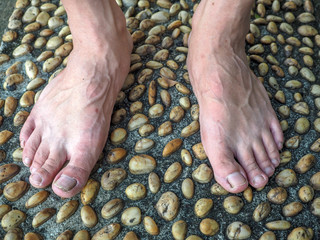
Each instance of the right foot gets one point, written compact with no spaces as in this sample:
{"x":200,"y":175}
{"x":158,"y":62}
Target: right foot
{"x":70,"y":121}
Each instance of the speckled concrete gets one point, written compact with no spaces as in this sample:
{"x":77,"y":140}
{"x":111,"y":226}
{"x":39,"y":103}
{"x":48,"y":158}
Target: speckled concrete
{"x":50,"y":230}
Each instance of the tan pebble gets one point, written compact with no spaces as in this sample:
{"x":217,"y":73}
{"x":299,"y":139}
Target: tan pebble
{"x":27,"y":99}
{"x":186,"y":157}
{"x":14,"y":24}
{"x":305,"y":163}
{"x":82,"y":235}
{"x":43,"y":18}
{"x":136,"y":92}
{"x":2,"y":155}
{"x":37,"y":199}
{"x":233,"y":204}
{"x":51,"y":64}
{"x":176,"y":114}
{"x":156,"y":111}
{"x":118,"y":136}
{"x":191,"y":129}
{"x":202,"y":174}
{"x":154,"y":182}
{"x":15,"y":190}
{"x":32,"y":27}
{"x":30,"y":14}
{"x":130,"y":236}
{"x":238,"y":230}
{"x":143,"y":145}
{"x":35,"y":83}
{"x":12,"y":219}
{"x":9,"y":36}
{"x":17,"y":155}
{"x":90,"y":191}
{"x":64,"y":50}
{"x":118,"y":116}
{"x":66,"y":235}
{"x":4,"y":209}
{"x":67,"y":210}
{"x":306,"y":193}
{"x":31,"y":69}
{"x":278,"y":225}
{"x":22,"y":3}
{"x":247,"y":194}
{"x":8,"y":171}
{"x":4,"y":58}
{"x":315,"y":181}
{"x":12,"y":80}
{"x":307,"y":31}
{"x":198,"y":151}
{"x":167,"y":73}
{"x":293,"y":142}
{"x":44,"y":56}
{"x":173,"y":172}
{"x":301,"y":233}
{"x":150,"y":226}
{"x":307,"y":74}
{"x":172,"y":147}
{"x":112,"y":178}
{"x":14,"y":234}
{"x":315,"y":207}
{"x":142,"y":164}
{"x":179,"y":230}
{"x":40,"y":42}
{"x":183,"y":89}
{"x":136,"y":191}
{"x":10,"y":106}
{"x":302,"y":125}
{"x":316,"y":146}
{"x":279,"y":96}
{"x":14,"y":68}
{"x":277,"y":195}
{"x":33,"y":236}
{"x":168,"y":206}
{"x":20,"y":118}
{"x":217,"y":189}
{"x":112,"y":208}
{"x":194,"y":110}
{"x":306,"y":17}
{"x":284,"y":111}
{"x":286,"y":178}
{"x":131,"y":216}
{"x":193,"y":237}
{"x":185,"y":103}
{"x":5,"y":136}
{"x":152,"y":92}
{"x":293,"y":84}
{"x":116,"y":155}
{"x":146,"y":130}
{"x":165,"y":98}
{"x":165,"y":129}
{"x":292,"y":209}
{"x":268,"y":236}
{"x":88,"y":216}
{"x":43,"y":216}
{"x":209,"y":227}
{"x":187,"y":188}
{"x":109,"y":232}
{"x":55,"y":22}
{"x":46,"y":32}
{"x":161,"y":55}
{"x":143,"y":76}
{"x":160,"y":17}
{"x":261,"y":211}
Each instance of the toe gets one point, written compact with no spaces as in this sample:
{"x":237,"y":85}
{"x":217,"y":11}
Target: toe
{"x":44,"y":175}
{"x":262,"y":158}
{"x":40,"y":157}
{"x":277,"y":133}
{"x":257,"y":178}
{"x":71,"y":179}
{"x":271,"y":148}
{"x":31,"y":148}
{"x":227,"y":172}
{"x":26,"y":131}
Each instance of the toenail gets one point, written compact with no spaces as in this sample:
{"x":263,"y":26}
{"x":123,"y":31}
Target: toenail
{"x":65,"y":183}
{"x":32,"y":170}
{"x":280,"y":145}
{"x":269,"y":171}
{"x":236,"y":179}
{"x":27,"y":161}
{"x":258,"y":180}
{"x":275,"y":162}
{"x":36,"y":179}
{"x":22,"y":143}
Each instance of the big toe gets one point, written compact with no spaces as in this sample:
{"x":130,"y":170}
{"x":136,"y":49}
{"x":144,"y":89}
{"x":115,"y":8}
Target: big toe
{"x":227,"y":172}
{"x":71,"y":179}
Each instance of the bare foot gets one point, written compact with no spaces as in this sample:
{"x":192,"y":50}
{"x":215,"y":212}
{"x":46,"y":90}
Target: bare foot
{"x":236,"y":118}
{"x":70,"y":121}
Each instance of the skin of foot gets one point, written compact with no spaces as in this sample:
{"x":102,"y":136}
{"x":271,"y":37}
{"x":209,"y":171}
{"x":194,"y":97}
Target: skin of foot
{"x":239,"y":129}
{"x":68,"y":126}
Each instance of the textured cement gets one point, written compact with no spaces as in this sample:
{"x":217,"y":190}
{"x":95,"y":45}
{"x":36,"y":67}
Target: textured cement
{"x":50,"y":230}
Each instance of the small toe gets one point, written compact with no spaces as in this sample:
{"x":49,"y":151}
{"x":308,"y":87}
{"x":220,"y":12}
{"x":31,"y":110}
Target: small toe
{"x":26,"y":131}
{"x":227,"y":172}
{"x":44,"y":175}
{"x":277,"y":133}
{"x":257,"y":178}
{"x":71,"y":179}
{"x":40,"y":157}
{"x":262,"y":158}
{"x":31,"y":148}
{"x":271,"y":148}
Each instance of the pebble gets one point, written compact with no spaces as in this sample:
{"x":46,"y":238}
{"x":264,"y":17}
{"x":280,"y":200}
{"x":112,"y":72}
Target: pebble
{"x":165,"y":129}
{"x":116,"y":155}
{"x":90,"y":191}
{"x":203,"y":207}
{"x":307,"y":74}
{"x":37,"y":199}
{"x":233,"y":204}
{"x":268,"y":236}
{"x":187,"y":188}
{"x":154,"y":182}
{"x":136,"y":191}
{"x":9,"y":36}
{"x":315,"y":181}
{"x":142,"y":164}
{"x":238,"y":230}
{"x":131,"y":216}
{"x":5,"y":136}
{"x":199,"y":152}
{"x":286,"y":178}
{"x":12,"y":219}
{"x":217,"y":189}
{"x":306,"y":193}
{"x":150,"y":226}
{"x":118,"y":136}
{"x":112,"y":178}
{"x":292,"y":209}
{"x":261,"y":211}
{"x":35,"y":83}
{"x":137,"y":121}
{"x":173,"y":172}
{"x":15,"y":190}
{"x":307,"y":31}
{"x":165,"y":98}
{"x":27,"y":99}
{"x":301,"y":233}
{"x":43,"y":216}
{"x":8,"y":171}
{"x":33,"y":236}
{"x":21,"y":50}
{"x":277,"y":195}
{"x":43,"y":18}
{"x":51,"y":64}
{"x":112,"y":208}
{"x":130,"y":236}
{"x":55,"y":22}
{"x":191,"y":129}
{"x":82,"y":235}
{"x":66,"y":235}
{"x":315,"y":207}
{"x":305,"y":163}
{"x":278,"y":225}
{"x":20,"y":118}
{"x":168,"y":206}
{"x":172,"y":147}
{"x":88,"y":216}
{"x":4,"y":209}
{"x":156,"y":111}
{"x":67,"y":210}
{"x":10,"y":106}
{"x":202,"y":174}
{"x":108,"y":232}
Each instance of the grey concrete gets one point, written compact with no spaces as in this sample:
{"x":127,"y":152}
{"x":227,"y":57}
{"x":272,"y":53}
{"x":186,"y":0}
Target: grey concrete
{"x":6,"y":7}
